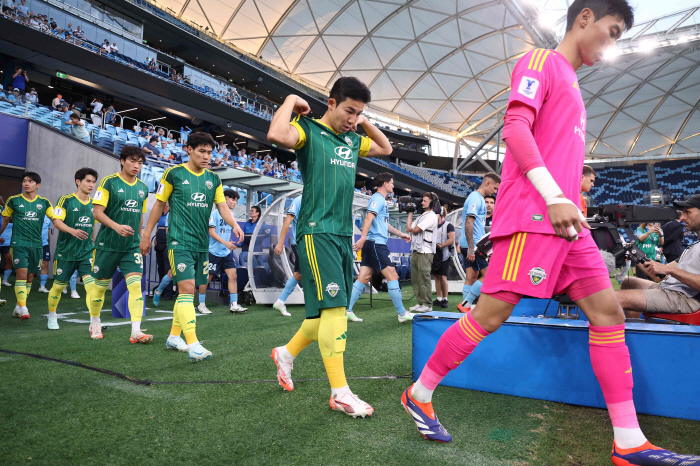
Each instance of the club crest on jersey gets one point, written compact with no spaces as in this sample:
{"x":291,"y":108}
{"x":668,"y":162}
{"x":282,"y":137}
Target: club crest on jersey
{"x":528,"y":87}
{"x":141,"y":194}
{"x":348,"y":141}
{"x":537,"y":275}
{"x":39,"y":207}
{"x":332,"y":289}
{"x":181,"y":267}
{"x":59,"y":271}
{"x":209,"y":184}
{"x":95,"y":269}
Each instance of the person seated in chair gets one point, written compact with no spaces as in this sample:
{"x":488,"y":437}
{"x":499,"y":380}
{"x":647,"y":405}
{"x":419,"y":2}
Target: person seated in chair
{"x":679,"y":291}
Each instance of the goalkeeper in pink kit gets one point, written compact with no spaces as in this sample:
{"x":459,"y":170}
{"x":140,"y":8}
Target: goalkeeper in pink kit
{"x":542,"y":245}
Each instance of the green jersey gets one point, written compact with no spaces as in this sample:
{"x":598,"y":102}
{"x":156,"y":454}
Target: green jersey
{"x":27,"y":220}
{"x":327,"y":162}
{"x":78,"y":215}
{"x":124,"y":204}
{"x":191,"y":198}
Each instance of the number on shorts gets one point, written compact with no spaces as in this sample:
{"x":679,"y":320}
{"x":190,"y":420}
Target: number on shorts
{"x":90,"y":259}
{"x":207,"y":267}
{"x":138,"y":258}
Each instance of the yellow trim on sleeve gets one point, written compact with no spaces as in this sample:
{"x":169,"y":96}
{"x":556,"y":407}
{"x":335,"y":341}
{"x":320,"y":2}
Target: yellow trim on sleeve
{"x":219,"y":195}
{"x":302,"y":135}
{"x":539,"y":68}
{"x":365,"y":146}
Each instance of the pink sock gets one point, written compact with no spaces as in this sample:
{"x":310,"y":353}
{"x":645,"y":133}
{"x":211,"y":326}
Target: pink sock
{"x":454,"y":346}
{"x":611,"y":364}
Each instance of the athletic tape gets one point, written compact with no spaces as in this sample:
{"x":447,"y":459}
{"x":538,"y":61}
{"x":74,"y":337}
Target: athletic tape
{"x":570,"y":229}
{"x":147,"y":382}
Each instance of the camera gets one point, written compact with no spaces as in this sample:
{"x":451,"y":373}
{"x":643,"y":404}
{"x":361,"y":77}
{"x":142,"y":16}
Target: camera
{"x":411,"y":204}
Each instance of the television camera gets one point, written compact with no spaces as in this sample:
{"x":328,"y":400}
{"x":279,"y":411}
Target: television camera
{"x":411,"y":204}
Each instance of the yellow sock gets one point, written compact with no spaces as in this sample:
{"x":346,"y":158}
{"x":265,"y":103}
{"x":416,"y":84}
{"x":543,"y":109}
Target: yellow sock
{"x":335,"y":371}
{"x":21,"y":292}
{"x":55,"y":295}
{"x":29,"y":288}
{"x":307,"y":334}
{"x":332,"y":336}
{"x":97,"y":297}
{"x":89,"y":283}
{"x":176,"y":329}
{"x":133,"y":284}
{"x":186,"y":316}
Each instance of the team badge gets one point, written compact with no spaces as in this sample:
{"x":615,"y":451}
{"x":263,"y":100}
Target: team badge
{"x":39,"y":207}
{"x":332,"y":289}
{"x":95,"y":269}
{"x":59,"y":271}
{"x":312,"y":224}
{"x":209,"y":184}
{"x":181,"y":267}
{"x":141,"y":194}
{"x":348,"y":141}
{"x":537,"y":275}
{"x":16,"y":261}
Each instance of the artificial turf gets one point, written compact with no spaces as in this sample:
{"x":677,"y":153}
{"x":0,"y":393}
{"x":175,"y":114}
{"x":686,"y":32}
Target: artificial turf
{"x":60,"y":414}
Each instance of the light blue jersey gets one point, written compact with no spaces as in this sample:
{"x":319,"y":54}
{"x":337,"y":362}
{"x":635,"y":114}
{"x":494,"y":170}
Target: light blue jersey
{"x":474,"y":206}
{"x":223,"y":229}
{"x":45,"y":231}
{"x":379,"y":230}
{"x":6,"y":235}
{"x":294,"y":210}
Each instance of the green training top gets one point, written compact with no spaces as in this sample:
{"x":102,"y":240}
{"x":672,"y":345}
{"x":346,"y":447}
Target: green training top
{"x":27,"y":220}
{"x":124,"y":204}
{"x":78,"y":215}
{"x":191,"y":198}
{"x":327,"y":162}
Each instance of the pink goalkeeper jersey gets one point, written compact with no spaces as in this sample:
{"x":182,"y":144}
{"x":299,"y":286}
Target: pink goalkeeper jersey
{"x":546,"y":81}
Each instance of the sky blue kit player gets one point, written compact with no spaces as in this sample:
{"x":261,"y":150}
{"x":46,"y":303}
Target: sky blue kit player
{"x":292,"y":212}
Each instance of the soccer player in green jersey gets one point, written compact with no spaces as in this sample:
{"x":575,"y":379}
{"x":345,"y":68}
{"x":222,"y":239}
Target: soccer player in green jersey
{"x":27,"y":212}
{"x":327,"y":150}
{"x":191,"y":190}
{"x":75,"y":222}
{"x":119,"y":203}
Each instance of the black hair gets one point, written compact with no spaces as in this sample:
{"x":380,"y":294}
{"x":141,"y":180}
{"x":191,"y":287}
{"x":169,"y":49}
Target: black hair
{"x":258,"y":209}
{"x":34,"y":176}
{"x":132,"y":151}
{"x":231,"y":193}
{"x":493,"y":177}
{"x":490,"y":197}
{"x":73,"y":116}
{"x":200,"y":138}
{"x":433,"y":200}
{"x":153,"y":139}
{"x":382,"y":178}
{"x":350,"y":87}
{"x":601,"y":9}
{"x":81,"y":174}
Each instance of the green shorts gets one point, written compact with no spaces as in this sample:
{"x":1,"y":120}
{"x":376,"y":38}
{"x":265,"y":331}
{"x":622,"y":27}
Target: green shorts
{"x":326,"y":271}
{"x":27,"y":258}
{"x":189,"y":265}
{"x":105,"y":263}
{"x":63,"y":268}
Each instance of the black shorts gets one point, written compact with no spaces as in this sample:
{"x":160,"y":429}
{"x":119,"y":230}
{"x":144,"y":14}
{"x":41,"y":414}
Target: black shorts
{"x":47,"y":253}
{"x":218,"y":265}
{"x":477,"y":264}
{"x":376,"y":256}
{"x":4,"y":249}
{"x":444,"y":267}
{"x":296,"y":266}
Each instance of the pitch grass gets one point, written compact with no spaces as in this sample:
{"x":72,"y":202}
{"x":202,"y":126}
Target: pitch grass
{"x":59,"y":414}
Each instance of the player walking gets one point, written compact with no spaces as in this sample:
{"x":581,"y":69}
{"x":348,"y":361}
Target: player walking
{"x":289,"y":220}
{"x":191,"y":190}
{"x":327,"y":151}
{"x":27,"y":212}
{"x":119,"y":204}
{"x":537,"y":212}
{"x":473,"y":228}
{"x":375,"y":253}
{"x":73,"y":217}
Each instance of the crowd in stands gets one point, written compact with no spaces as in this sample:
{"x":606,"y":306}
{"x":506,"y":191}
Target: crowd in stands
{"x":441,"y":180}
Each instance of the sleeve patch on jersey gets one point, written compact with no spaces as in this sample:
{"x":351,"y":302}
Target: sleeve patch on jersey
{"x":161,"y":188}
{"x":98,"y":195}
{"x":373,"y":204}
{"x":58,"y":211}
{"x":528,"y":87}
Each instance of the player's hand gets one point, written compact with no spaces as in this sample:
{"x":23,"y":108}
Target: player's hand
{"x":230,"y":245}
{"x":358,"y":246}
{"x":471,"y":257}
{"x":80,"y":234}
{"x":358,"y":122}
{"x":301,"y":106}
{"x":124,"y":230}
{"x":239,"y":233}
{"x":653,"y":268}
{"x":406,"y":237}
{"x":2,"y":240}
{"x":145,"y":246}
{"x":279,"y":248}
{"x":563,"y":216}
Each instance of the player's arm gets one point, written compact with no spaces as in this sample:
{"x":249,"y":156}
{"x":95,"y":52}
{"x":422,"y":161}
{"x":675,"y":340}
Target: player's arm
{"x":369,"y":218}
{"x":156,"y":213}
{"x":229,"y":244}
{"x":75,"y":232}
{"x":281,"y":132}
{"x":400,"y":234}
{"x":450,"y":240}
{"x":283,"y":234}
{"x":100,"y":216}
{"x":379,"y":145}
{"x":469,"y":235}
{"x":5,"y":222}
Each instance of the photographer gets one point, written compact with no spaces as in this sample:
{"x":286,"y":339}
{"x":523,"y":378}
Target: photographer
{"x":678,"y":292}
{"x":445,"y":248}
{"x":423,"y":251}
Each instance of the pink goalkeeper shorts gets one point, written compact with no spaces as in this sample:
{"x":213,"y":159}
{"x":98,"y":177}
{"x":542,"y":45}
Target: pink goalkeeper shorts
{"x":542,"y":265}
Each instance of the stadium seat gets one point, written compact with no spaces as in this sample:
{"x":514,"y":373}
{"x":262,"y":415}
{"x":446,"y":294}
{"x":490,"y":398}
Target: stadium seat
{"x":691,"y":319}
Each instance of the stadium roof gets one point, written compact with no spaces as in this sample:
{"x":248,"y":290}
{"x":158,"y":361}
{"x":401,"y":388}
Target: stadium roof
{"x":447,"y":63}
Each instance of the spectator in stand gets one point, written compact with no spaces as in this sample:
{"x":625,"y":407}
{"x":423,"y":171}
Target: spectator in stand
{"x":44,"y":26}
{"x":8,"y":7}
{"x":164,"y":151}
{"x":78,"y":32}
{"x":294,"y":164}
{"x":114,"y":48}
{"x":52,"y":25}
{"x":32,"y":97}
{"x":63,"y":107}
{"x":161,"y":135}
{"x":33,"y":21}
{"x":96,"y":116}
{"x":151,"y":149}
{"x":56,"y":102}
{"x":69,"y":28}
{"x":143,"y":133}
{"x":184,"y":132}
{"x":106,"y":48}
{"x":79,"y":129}
{"x":673,"y":238}
{"x":14,"y":98}
{"x":649,"y":237}
{"x":110,"y":115}
{"x":20,"y":78}
{"x":22,"y":9}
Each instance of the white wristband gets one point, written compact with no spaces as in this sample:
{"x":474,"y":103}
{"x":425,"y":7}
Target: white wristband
{"x":562,"y":200}
{"x":543,"y":182}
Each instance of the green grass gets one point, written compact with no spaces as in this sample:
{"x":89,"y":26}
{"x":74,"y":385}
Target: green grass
{"x":59,"y":414}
